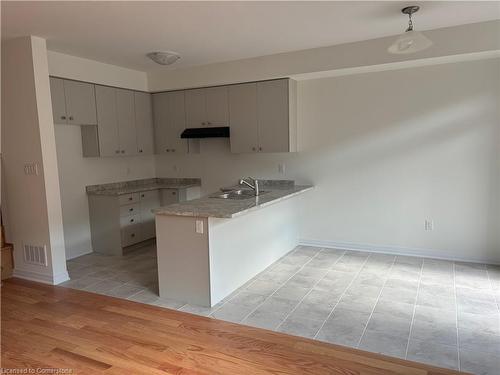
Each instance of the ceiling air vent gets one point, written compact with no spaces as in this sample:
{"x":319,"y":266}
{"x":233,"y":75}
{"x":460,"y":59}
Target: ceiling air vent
{"x":35,"y":255}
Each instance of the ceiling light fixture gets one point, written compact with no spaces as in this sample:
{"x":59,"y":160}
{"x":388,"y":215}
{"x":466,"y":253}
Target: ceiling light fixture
{"x":411,"y":41}
{"x":164,"y":57}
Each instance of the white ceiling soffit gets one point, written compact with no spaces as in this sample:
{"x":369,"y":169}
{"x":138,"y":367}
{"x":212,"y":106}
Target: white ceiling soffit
{"x":121,"y":33}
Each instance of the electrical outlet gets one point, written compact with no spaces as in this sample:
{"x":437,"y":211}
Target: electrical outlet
{"x":281,"y":168}
{"x":429,"y":224}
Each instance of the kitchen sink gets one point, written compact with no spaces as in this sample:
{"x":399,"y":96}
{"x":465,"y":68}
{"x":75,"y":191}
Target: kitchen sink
{"x":238,"y":194}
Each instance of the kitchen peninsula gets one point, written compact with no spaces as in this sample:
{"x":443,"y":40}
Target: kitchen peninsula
{"x":209,"y":247}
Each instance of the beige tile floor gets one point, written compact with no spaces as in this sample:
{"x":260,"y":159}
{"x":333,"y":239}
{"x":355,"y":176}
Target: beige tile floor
{"x":438,"y":312}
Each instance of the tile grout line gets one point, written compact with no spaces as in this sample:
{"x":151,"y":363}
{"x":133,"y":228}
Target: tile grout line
{"x":251,"y":283}
{"x":376,"y":302}
{"x":342,"y":295}
{"x":309,"y":292}
{"x":456,"y":314}
{"x":273,"y":293}
{"x":415,"y":307}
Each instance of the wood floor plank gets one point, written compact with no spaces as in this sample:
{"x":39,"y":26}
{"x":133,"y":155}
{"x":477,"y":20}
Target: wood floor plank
{"x":50,"y":326}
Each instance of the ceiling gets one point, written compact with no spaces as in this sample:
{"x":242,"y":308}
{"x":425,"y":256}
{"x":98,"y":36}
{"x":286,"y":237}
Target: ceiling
{"x":121,"y":33}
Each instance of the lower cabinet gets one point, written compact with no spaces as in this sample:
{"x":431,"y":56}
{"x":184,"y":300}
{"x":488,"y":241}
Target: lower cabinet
{"x":120,"y":221}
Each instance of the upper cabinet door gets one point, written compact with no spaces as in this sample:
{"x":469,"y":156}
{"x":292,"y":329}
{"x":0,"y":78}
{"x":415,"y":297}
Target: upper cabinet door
{"x":160,"y":122}
{"x":217,"y":106}
{"x":144,"y":123}
{"x":196,"y":108}
{"x":58,"y":100}
{"x":176,"y":122}
{"x":273,"y":108}
{"x":107,"y":124}
{"x":80,"y":103}
{"x":126,"y":121}
{"x":243,"y":118}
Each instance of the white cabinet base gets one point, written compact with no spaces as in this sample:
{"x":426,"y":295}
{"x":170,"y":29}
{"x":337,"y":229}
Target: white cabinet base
{"x":204,"y":268}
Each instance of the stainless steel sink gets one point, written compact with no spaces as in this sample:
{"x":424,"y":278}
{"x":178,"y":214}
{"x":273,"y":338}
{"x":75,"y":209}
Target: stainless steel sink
{"x":238,"y":194}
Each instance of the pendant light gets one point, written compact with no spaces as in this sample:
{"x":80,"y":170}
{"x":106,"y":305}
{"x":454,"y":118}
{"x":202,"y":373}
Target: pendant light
{"x":411,"y":41}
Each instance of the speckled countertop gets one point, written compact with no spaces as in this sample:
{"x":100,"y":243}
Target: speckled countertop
{"x":135,"y":186}
{"x":229,"y":208}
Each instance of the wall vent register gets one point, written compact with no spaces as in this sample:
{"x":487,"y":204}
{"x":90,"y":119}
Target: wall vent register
{"x":34,"y":254}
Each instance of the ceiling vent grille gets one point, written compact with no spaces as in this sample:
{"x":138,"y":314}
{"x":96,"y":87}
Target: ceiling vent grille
{"x":35,"y":255}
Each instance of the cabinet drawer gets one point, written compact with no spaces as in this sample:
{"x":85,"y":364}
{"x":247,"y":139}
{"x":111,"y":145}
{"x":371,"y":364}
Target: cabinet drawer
{"x":149,"y":195}
{"x":130,"y":220}
{"x":130,"y":209}
{"x":131,"y":235}
{"x":148,"y":230}
{"x":128,"y":198}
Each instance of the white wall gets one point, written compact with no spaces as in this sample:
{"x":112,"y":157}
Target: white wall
{"x":31,"y":203}
{"x":471,"y":39}
{"x":385,"y":151}
{"x":77,"y":172}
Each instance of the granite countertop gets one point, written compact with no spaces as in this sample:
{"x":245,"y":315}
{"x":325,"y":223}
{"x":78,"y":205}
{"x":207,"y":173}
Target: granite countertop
{"x":229,"y":208}
{"x":135,"y":186}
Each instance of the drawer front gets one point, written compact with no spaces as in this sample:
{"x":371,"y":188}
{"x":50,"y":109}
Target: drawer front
{"x":131,"y":235}
{"x":149,"y":195}
{"x":130,"y":220}
{"x":128,"y":198}
{"x":130,"y":209}
{"x":169,"y":196}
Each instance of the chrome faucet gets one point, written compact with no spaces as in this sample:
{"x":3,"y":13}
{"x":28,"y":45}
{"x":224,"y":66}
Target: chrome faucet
{"x":255,"y":185}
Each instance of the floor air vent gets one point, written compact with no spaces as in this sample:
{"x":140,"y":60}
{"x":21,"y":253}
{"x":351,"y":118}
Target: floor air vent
{"x":35,"y":255}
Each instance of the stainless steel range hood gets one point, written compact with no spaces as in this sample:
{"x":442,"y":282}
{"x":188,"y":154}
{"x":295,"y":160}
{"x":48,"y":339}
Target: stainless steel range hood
{"x":218,"y":132}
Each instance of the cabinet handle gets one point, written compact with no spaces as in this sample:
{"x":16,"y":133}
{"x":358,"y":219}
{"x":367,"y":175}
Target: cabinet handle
{"x":131,"y":209}
{"x":70,"y":118}
{"x":209,"y":123}
{"x":117,"y":151}
{"x":123,"y":151}
{"x":174,"y":192}
{"x":63,"y":117}
{"x":173,"y":150}
{"x":129,"y":198}
{"x":203,"y":123}
{"x":260,"y":148}
{"x":142,"y":195}
{"x":254,"y":149}
{"x":132,"y":235}
{"x":131,"y":220}
{"x":140,"y":150}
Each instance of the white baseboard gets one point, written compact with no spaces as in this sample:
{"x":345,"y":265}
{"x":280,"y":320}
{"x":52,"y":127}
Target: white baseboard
{"x":73,"y":256}
{"x":395,"y":250}
{"x":41,"y":277}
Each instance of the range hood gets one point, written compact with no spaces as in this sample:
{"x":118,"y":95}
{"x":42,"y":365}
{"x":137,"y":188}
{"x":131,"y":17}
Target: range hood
{"x":219,"y":132}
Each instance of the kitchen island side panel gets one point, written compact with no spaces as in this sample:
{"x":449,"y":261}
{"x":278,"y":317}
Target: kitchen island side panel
{"x":243,"y":246}
{"x":183,"y":260}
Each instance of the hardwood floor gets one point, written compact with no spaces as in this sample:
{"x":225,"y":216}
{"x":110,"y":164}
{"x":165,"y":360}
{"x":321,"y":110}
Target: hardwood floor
{"x":54,"y":327}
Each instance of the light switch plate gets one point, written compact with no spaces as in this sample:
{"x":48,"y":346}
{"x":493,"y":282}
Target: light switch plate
{"x":199,"y":226}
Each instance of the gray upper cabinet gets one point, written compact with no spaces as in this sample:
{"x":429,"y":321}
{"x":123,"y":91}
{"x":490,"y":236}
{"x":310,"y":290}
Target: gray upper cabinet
{"x":107,"y":121}
{"x":80,"y":103}
{"x":58,"y":100}
{"x":126,"y":122}
{"x":144,"y":123}
{"x":276,"y":116}
{"x":169,"y":122}
{"x":207,"y":107}
{"x":243,"y":118}
{"x":262,"y":116}
{"x":196,"y":108}
{"x":73,"y":102}
{"x":217,"y":106}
